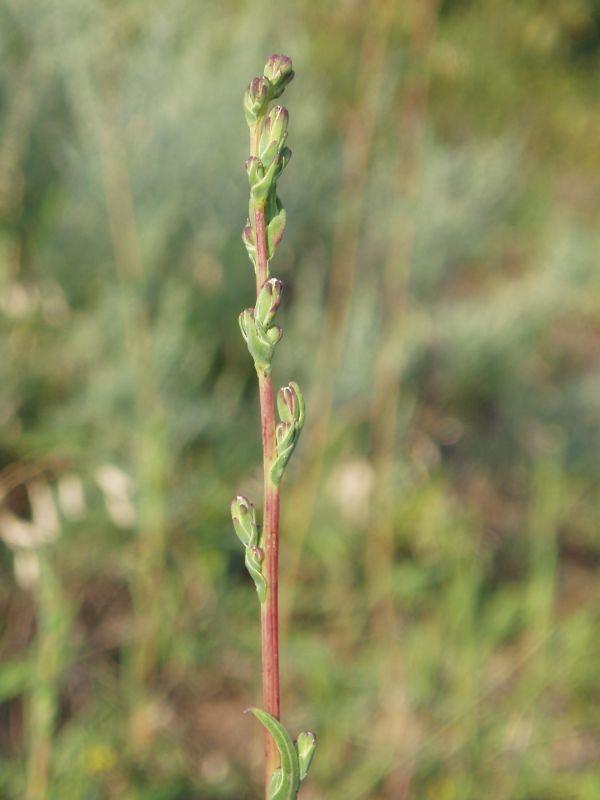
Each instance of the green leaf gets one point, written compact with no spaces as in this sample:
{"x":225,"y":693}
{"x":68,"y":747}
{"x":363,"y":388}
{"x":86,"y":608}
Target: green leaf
{"x":249,"y":241}
{"x":261,"y":180}
{"x":285,"y":781}
{"x":275,"y":230}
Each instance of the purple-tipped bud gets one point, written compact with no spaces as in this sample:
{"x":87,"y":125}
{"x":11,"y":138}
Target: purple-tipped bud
{"x":244,"y":520}
{"x":277,"y":124}
{"x":269,"y":300}
{"x":256,"y":99}
{"x":290,"y":404}
{"x":279,"y":71}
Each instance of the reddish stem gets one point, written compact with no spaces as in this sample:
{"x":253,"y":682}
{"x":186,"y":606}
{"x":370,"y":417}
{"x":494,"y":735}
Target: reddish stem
{"x":269,"y":617}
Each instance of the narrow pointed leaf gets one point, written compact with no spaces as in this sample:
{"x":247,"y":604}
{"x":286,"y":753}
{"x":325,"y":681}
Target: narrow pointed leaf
{"x":275,"y":230}
{"x":286,"y":784}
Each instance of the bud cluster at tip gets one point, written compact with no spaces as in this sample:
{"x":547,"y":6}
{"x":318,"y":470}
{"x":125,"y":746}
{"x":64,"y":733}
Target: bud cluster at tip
{"x":244,"y":523}
{"x":278,"y":72}
{"x":271,"y":155}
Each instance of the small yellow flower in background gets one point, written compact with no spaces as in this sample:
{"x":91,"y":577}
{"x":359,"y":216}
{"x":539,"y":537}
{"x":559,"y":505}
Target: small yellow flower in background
{"x":100,"y":758}
{"x":442,"y":789}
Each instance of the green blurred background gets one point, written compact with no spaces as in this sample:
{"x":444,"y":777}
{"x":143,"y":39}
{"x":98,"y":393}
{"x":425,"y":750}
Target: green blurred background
{"x":440,"y":555}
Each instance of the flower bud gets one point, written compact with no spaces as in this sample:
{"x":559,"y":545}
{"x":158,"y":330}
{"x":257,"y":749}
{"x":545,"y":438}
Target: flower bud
{"x":306,"y":744}
{"x":290,"y":404}
{"x":261,"y":341}
{"x":279,"y":72}
{"x":269,"y":300}
{"x":286,"y":403}
{"x":244,"y":521}
{"x":274,"y":134}
{"x":256,"y":99}
{"x":276,"y":124}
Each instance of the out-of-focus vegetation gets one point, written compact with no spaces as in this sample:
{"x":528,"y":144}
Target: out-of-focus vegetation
{"x":440,"y":593}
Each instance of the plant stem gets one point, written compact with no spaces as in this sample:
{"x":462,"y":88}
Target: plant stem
{"x":285,"y":760}
{"x":269,"y":618}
